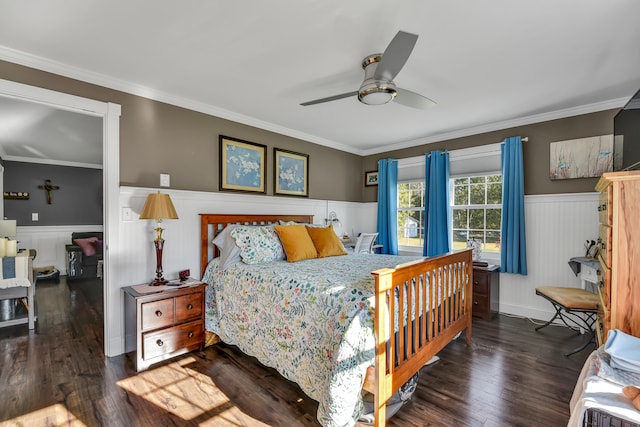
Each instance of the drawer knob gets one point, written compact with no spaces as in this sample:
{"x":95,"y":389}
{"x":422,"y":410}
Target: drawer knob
{"x":190,"y":334}
{"x":475,"y":283}
{"x":475,"y":303}
{"x":158,"y":313}
{"x":189,"y":306}
{"x":160,"y":343}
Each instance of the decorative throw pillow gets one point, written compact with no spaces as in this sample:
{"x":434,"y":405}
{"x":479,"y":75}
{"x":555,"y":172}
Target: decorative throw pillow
{"x":296,"y":242}
{"x":99,"y":246}
{"x":257,"y":244}
{"x":326,"y":241}
{"x":229,"y":251}
{"x":86,"y":245}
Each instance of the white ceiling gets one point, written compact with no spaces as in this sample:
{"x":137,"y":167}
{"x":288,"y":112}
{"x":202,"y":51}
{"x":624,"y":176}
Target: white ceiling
{"x":488,"y":64}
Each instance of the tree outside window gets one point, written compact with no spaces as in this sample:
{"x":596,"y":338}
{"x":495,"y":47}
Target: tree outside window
{"x":476,"y":211}
{"x":411,"y":214}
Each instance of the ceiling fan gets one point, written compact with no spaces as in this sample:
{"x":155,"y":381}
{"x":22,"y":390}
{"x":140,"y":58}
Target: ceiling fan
{"x":379,"y":71}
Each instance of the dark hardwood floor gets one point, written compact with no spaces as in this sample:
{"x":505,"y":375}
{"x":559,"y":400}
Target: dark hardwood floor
{"x":57,"y":376}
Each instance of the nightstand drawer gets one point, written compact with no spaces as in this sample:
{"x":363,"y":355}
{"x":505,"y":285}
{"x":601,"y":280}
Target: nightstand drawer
{"x":163,"y":324}
{"x":480,"y":283}
{"x":188,"y":307}
{"x":481,"y":306}
{"x":166,"y":341}
{"x":157,"y":314}
{"x":486,"y":291}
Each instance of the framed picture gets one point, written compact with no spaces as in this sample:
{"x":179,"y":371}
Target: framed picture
{"x":371,"y":178}
{"x":581,"y":158}
{"x":291,"y":173}
{"x":243,"y":165}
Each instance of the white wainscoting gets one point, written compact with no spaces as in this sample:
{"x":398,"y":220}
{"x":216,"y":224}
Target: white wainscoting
{"x":49,"y":242}
{"x":135,"y":260}
{"x":557,"y":227}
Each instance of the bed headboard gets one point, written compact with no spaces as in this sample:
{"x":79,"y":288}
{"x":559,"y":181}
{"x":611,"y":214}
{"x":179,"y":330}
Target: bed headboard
{"x":211,"y":224}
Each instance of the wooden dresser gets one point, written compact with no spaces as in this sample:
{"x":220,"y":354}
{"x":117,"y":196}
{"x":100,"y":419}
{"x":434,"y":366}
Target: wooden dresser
{"x":619,"y":253}
{"x":486,"y":291}
{"x":164,"y":324}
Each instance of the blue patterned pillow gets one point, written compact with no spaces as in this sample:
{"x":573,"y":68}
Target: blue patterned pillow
{"x":258,"y":244}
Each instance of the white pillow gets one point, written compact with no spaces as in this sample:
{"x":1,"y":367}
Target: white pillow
{"x":258,"y":244}
{"x":281,"y":222}
{"x":229,"y":252}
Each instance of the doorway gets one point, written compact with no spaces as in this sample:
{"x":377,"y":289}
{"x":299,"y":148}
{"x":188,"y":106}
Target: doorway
{"x":110,"y":114}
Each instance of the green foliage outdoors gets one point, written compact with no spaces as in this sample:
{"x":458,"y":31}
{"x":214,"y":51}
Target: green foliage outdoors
{"x":472,"y":212}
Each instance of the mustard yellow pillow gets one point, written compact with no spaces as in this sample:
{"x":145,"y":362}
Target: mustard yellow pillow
{"x":296,"y":242}
{"x":326,"y":241}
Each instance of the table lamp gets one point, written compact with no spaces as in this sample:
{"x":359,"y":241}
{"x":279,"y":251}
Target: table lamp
{"x":158,"y":207}
{"x":8,"y":228}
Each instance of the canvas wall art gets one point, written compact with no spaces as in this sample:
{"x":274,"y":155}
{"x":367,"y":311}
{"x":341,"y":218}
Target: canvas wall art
{"x":581,"y":158}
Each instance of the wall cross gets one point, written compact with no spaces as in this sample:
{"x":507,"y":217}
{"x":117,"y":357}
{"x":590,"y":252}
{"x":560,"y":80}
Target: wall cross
{"x":48,"y":187}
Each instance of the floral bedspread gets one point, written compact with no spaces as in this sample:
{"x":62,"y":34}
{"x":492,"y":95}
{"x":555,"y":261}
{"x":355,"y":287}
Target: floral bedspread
{"x":311,"y":320}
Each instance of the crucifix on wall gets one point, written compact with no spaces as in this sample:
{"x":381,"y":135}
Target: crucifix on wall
{"x":48,"y":187}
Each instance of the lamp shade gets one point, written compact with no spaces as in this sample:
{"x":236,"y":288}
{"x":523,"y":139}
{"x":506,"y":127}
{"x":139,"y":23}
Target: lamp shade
{"x":8,"y":228}
{"x":158,"y":206}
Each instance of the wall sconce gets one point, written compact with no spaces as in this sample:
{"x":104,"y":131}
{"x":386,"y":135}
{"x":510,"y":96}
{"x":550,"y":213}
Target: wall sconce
{"x":333,"y":220}
{"x":158,"y":206}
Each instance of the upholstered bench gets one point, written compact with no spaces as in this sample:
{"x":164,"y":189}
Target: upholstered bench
{"x":577,"y":308}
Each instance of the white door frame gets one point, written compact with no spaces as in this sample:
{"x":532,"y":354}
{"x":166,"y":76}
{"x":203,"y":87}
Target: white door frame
{"x":110,"y":114}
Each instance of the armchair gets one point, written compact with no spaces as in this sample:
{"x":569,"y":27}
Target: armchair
{"x":83,"y":254}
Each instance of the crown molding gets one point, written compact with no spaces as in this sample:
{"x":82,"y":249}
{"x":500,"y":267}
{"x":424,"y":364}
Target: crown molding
{"x":51,"y":162}
{"x":505,"y":124}
{"x":65,"y":70}
{"x":51,"y":66}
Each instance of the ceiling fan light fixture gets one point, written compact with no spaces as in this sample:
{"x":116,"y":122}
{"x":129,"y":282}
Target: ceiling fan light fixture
{"x":377,"y":93}
{"x":380,"y":69}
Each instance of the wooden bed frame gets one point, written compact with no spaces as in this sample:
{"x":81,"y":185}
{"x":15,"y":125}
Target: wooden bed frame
{"x":435,"y":324}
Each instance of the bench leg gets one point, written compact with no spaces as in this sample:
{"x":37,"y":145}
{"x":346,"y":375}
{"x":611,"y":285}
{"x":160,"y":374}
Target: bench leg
{"x":578,"y":323}
{"x":555,"y":316}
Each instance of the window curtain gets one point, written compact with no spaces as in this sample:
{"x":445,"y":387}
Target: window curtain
{"x":513,"y":253}
{"x":388,"y":206}
{"x":436,"y":200}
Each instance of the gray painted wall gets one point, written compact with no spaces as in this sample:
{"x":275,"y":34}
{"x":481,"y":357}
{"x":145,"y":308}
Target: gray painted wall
{"x":159,"y":138}
{"x":535,"y":152}
{"x":77,"y":202}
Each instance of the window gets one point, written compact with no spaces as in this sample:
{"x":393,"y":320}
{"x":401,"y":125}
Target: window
{"x":476,"y":211}
{"x":411,"y":214}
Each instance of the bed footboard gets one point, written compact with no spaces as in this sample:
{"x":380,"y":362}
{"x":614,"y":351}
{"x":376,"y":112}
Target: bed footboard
{"x":427,"y":303}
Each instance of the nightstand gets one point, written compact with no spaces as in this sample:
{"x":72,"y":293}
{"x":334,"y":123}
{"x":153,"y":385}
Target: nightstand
{"x":486,"y":291}
{"x":163,"y":322}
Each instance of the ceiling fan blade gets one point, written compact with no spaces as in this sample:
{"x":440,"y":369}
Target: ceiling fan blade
{"x":330,"y":98}
{"x":395,"y":56}
{"x":413,"y":100}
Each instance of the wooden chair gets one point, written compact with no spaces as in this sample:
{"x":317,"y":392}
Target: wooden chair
{"x":577,"y":308}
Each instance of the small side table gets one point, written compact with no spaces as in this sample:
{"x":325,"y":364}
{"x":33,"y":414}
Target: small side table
{"x":162,"y":322}
{"x":486,"y":291}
